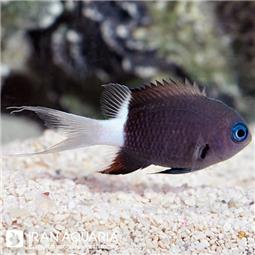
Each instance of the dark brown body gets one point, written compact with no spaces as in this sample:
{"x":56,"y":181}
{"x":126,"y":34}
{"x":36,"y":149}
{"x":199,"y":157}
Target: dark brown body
{"x":164,"y":135}
{"x":167,"y":133}
{"x":170,"y":125}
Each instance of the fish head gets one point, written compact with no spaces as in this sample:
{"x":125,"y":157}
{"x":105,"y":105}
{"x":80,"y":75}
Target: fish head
{"x":225,"y":135}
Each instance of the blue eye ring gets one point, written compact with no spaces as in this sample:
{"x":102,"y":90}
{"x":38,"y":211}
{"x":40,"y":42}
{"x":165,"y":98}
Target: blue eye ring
{"x":239,"y":132}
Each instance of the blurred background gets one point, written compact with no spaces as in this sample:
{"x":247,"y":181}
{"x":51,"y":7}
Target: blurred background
{"x":58,"y":53}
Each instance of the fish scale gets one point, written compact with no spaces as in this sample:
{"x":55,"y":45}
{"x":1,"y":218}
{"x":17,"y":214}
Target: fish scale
{"x":149,"y":141}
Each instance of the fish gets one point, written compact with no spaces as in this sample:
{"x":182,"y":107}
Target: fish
{"x":168,"y":123}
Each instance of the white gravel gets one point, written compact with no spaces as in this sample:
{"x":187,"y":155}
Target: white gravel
{"x":64,"y":207}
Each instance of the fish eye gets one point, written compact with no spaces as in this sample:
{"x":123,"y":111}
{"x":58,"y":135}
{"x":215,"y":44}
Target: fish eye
{"x":239,"y":132}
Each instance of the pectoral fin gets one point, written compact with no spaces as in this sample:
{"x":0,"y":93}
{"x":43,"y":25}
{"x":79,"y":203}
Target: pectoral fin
{"x":176,"y":171}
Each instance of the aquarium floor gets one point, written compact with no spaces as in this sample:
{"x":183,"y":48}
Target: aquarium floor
{"x":60,"y":205}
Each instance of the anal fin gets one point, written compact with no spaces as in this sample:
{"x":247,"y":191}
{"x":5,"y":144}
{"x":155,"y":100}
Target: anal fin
{"x":125,"y":163}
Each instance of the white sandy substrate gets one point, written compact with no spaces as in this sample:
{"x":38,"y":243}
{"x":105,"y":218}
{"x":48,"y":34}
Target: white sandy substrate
{"x":64,"y":207}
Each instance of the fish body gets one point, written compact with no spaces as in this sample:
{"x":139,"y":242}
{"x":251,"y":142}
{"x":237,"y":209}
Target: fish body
{"x":169,"y":123}
{"x":174,"y":131}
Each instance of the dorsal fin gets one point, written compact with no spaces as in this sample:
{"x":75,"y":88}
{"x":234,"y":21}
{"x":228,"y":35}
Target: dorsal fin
{"x":114,"y":100}
{"x":164,"y":89}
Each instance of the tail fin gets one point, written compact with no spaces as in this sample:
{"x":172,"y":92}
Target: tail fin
{"x":80,"y":131}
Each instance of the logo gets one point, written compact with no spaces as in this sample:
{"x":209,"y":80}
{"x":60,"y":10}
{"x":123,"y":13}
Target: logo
{"x":14,"y":238}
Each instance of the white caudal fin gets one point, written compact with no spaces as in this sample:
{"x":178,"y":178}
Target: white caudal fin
{"x":80,"y":131}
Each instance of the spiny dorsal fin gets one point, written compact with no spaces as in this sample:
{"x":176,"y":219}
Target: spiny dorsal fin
{"x":163,"y":89}
{"x":114,"y":100}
